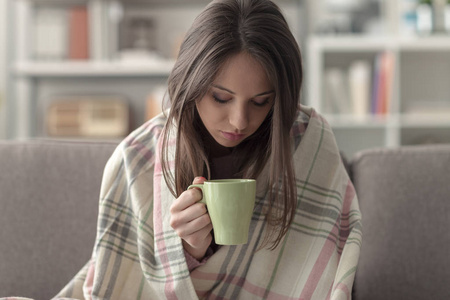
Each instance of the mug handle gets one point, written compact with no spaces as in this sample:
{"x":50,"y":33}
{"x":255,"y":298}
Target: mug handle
{"x":200,"y":186}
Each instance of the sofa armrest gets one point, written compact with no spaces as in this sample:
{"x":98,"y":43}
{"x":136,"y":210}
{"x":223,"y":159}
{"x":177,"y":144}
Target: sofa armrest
{"x":48,"y":212}
{"x":404,"y":196}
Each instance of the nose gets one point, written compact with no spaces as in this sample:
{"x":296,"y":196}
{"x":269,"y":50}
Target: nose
{"x":239,"y":117}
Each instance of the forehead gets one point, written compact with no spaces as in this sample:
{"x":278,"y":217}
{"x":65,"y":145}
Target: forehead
{"x":242,"y":73}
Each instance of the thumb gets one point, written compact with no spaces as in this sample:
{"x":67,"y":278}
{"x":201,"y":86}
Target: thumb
{"x":199,"y":180}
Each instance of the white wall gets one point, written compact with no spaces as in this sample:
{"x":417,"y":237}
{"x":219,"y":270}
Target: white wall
{"x":3,"y":69}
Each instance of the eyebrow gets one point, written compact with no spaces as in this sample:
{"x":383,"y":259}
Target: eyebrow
{"x":233,"y":93}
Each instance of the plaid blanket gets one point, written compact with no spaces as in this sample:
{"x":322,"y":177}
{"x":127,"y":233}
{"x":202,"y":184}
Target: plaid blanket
{"x":138,"y":255}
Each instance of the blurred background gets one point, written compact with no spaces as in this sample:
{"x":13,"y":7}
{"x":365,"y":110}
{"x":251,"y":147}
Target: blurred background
{"x":379,"y":70}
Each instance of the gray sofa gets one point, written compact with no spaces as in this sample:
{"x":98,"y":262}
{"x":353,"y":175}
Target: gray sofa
{"x":48,"y":208}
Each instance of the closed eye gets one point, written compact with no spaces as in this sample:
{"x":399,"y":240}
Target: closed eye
{"x":219,"y":100}
{"x":262,"y":102}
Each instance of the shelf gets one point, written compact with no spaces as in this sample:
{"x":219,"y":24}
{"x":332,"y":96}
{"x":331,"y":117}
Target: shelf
{"x":111,"y":67}
{"x":354,"y":43}
{"x":430,"y":43}
{"x":351,"y":43}
{"x":59,"y":2}
{"x":425,"y":121}
{"x":353,"y":121}
{"x":165,"y":2}
{"x":93,"y":69}
{"x":420,"y":75}
{"x":405,"y":120}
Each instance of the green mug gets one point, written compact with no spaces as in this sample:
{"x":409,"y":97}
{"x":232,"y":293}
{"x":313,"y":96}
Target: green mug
{"x":230,"y":204}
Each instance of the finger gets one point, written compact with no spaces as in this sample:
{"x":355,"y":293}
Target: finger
{"x":189,"y":197}
{"x":196,"y":225}
{"x":186,"y":199}
{"x":199,"y":180}
{"x":188,"y":215}
{"x":205,"y":231}
{"x":199,"y":237}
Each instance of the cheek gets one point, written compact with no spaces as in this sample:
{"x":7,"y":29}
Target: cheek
{"x":209,"y":113}
{"x":259,"y":117}
{"x":202,"y":109}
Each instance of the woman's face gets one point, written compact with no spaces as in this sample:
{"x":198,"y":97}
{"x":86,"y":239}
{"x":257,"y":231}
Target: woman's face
{"x":237,"y":102}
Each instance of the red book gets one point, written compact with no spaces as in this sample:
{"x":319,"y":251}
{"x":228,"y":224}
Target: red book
{"x":385,"y":83}
{"x":389,"y":61}
{"x":78,"y":33}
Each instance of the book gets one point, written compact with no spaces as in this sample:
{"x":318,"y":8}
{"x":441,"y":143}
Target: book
{"x":375,"y":85}
{"x":88,"y":116}
{"x":337,"y":99}
{"x":380,"y":101}
{"x":50,"y":34}
{"x":155,"y":102}
{"x":388,"y":69}
{"x":360,"y":86}
{"x":78,"y":33}
{"x":382,"y":89}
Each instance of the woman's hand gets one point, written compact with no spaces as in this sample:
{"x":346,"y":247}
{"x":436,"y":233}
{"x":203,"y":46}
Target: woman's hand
{"x":190,"y":220}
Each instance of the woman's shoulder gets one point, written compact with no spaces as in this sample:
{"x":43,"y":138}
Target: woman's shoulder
{"x":145,"y":136}
{"x":139,"y":146}
{"x":307,"y":116}
{"x":301,"y":122}
{"x":308,"y":120}
{"x":147,"y":131}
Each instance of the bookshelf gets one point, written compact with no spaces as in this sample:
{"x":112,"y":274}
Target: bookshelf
{"x":417,"y":109}
{"x":50,"y":65}
{"x":418,"y":105}
{"x":43,"y":69}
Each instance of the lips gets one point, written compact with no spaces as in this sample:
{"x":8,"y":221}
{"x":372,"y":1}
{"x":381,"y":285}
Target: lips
{"x":232,"y":136}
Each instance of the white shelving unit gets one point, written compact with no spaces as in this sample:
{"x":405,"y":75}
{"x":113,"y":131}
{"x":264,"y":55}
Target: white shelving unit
{"x":92,"y":69}
{"x":421,"y":72}
{"x":35,"y":81}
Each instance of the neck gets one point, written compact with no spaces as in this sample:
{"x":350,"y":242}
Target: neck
{"x":217,"y":150}
{"x":213,"y":148}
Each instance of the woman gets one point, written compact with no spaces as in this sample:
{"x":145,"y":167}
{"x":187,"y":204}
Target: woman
{"x":235,"y":113}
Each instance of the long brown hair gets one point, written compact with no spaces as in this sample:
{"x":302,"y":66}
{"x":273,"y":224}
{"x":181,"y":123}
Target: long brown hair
{"x":223,"y":29}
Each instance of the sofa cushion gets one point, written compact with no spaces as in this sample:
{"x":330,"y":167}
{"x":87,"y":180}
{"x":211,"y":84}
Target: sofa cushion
{"x":404,"y":197}
{"x":49,"y":202}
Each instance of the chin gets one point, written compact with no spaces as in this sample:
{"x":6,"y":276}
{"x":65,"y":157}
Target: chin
{"x":227,"y":143}
{"x":231,"y":145}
